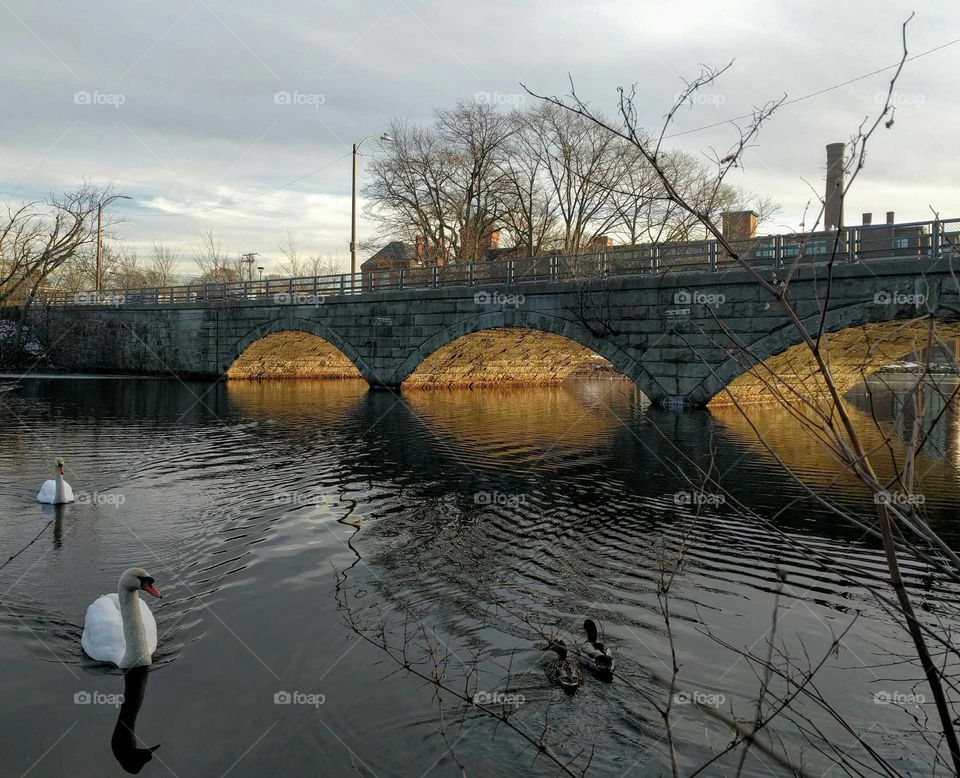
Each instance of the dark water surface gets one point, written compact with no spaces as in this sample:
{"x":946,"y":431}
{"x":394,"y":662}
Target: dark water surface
{"x":478,"y":514}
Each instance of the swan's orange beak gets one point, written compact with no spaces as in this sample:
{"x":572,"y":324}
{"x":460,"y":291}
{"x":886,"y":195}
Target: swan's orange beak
{"x":60,"y":468}
{"x":149,"y":588}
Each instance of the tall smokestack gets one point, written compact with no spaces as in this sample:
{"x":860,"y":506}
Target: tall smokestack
{"x":833,"y":196}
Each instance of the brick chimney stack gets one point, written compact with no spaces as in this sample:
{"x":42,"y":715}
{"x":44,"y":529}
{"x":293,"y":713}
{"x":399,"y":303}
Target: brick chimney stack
{"x":833,"y":194}
{"x":601,"y":242}
{"x":739,"y":225}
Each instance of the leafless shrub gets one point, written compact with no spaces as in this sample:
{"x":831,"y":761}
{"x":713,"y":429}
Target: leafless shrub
{"x":903,"y":531}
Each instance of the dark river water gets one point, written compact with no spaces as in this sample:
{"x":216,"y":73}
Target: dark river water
{"x":474,"y":522}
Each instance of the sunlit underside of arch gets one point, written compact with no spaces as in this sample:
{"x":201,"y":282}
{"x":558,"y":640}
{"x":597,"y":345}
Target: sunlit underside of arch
{"x":504,"y":356}
{"x":852,"y":354}
{"x":292,"y":354}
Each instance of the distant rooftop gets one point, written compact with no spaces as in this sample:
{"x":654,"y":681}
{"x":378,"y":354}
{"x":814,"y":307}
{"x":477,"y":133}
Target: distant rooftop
{"x":394,"y":254}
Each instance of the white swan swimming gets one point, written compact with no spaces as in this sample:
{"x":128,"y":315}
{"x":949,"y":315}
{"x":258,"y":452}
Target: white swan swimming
{"x":120,"y":628}
{"x":56,"y":490}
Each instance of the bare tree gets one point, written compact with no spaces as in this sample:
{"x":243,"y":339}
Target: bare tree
{"x":38,"y":242}
{"x":475,"y":136}
{"x":79,"y":272}
{"x":639,"y":208}
{"x":164,"y":260}
{"x":37,"y":239}
{"x":898,"y":525}
{"x":408,"y":191}
{"x":550,"y":180}
{"x":582,"y":166}
{"x":318,"y":265}
{"x":292,"y":265}
{"x":529,"y":210}
{"x":214,"y":261}
{"x":443,"y":184}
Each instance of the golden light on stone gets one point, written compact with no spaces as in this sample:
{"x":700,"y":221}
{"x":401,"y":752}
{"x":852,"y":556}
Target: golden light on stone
{"x":852,"y":354}
{"x":292,"y":354}
{"x":503,"y":356}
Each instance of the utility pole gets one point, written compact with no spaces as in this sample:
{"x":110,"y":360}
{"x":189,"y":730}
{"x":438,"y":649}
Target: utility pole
{"x":384,"y":138}
{"x":98,"y":273}
{"x":248,"y":259}
{"x":353,"y":220}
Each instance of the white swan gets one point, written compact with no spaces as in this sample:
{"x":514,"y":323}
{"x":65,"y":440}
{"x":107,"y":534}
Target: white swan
{"x":56,"y":490}
{"x":120,"y":628}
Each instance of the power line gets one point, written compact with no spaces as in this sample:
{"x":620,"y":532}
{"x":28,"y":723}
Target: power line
{"x":819,"y":91}
{"x":673,"y":135}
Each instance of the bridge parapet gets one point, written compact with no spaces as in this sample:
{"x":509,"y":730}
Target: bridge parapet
{"x":916,"y":240}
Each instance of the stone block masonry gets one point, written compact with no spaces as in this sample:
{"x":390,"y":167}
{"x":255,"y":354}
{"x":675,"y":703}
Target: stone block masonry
{"x":679,"y":337}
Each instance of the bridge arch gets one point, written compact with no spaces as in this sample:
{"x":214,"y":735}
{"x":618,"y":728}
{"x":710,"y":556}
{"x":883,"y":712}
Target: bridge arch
{"x":860,"y":341}
{"x":291,"y":348}
{"x":478,"y":350}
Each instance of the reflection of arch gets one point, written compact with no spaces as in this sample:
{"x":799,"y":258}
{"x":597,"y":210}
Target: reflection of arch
{"x":295,"y":349}
{"x":856,"y":351}
{"x":510,"y":346}
{"x":794,"y":442}
{"x":308,"y":401}
{"x":551,"y":421}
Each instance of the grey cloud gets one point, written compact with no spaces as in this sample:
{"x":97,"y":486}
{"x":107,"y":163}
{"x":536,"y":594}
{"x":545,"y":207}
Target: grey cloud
{"x":199,"y":123}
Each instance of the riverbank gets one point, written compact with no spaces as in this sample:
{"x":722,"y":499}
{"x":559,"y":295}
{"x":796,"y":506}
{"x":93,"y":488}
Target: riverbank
{"x":20,"y":347}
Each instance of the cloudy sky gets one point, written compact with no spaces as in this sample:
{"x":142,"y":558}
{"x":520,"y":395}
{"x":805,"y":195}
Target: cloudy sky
{"x":175,"y":103}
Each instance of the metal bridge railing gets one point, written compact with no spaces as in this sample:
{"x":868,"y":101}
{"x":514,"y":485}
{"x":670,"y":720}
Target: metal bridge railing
{"x":851,"y":244}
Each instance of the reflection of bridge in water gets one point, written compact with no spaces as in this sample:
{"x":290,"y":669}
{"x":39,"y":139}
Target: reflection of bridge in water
{"x":941,"y":418}
{"x":681,"y":330}
{"x":883,"y":414}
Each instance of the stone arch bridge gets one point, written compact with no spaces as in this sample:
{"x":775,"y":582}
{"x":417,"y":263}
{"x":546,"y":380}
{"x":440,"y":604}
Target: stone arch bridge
{"x":681,"y":337}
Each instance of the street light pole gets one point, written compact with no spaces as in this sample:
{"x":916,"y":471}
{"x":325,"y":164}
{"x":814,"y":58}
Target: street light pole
{"x":99,"y":271}
{"x":353,"y":207}
{"x":353,"y":219}
{"x":98,"y":279}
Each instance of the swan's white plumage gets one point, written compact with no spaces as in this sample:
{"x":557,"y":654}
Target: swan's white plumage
{"x":103,"y":629}
{"x":48,"y":492}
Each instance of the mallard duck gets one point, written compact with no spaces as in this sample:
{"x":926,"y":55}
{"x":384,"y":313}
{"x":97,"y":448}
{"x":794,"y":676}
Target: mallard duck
{"x":565,"y":672}
{"x":598,"y":656}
